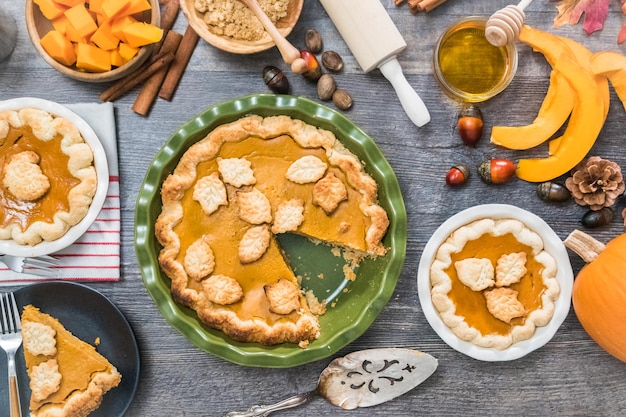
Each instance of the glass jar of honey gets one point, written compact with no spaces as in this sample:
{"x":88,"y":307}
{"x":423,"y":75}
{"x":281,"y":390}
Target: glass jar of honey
{"x":467,"y":66}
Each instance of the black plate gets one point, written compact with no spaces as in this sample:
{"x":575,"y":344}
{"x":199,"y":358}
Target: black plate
{"x":88,"y":315}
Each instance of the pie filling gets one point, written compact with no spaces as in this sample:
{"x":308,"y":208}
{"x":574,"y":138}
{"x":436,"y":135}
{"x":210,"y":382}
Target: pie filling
{"x":231,"y":193}
{"x":493,"y":282}
{"x":47,"y":177}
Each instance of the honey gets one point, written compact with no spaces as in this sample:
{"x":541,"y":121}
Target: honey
{"x":468,"y":67}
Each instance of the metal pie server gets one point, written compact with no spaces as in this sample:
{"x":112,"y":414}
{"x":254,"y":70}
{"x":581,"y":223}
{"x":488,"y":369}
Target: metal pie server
{"x":360,"y":379}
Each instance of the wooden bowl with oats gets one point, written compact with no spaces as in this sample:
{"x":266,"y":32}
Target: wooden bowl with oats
{"x":240,"y":32}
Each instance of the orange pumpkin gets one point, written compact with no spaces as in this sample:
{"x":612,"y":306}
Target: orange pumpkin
{"x":599,"y":293}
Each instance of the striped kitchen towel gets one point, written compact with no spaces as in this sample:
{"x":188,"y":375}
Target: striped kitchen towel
{"x":95,"y":256}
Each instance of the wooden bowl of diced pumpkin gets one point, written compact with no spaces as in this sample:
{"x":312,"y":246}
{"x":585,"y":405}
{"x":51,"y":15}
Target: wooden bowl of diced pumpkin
{"x":94,"y":40}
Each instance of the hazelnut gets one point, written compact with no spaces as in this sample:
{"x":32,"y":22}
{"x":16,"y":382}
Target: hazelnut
{"x":326,"y":86}
{"x":332,"y":61}
{"x":313,"y":41}
{"x":342,"y":99}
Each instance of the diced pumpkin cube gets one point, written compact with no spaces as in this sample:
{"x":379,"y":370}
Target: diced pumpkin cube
{"x":72,"y":34}
{"x":70,"y":3}
{"x":96,"y":6}
{"x":60,"y":24}
{"x":112,"y":8}
{"x":91,"y":58}
{"x":116,"y":58}
{"x":135,"y":6}
{"x":141,"y":33}
{"x":58,"y":47}
{"x":81,"y":20}
{"x":50,"y":9}
{"x":118,"y":24}
{"x":104,"y":39}
{"x":127,"y":52}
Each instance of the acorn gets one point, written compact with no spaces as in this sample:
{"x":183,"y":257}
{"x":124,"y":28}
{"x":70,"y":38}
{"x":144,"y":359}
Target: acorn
{"x":597,"y":218}
{"x":275,"y":79}
{"x":470,"y":124}
{"x":553,"y":191}
{"x":457,"y":175}
{"x":496,"y":170}
{"x":313,"y":69}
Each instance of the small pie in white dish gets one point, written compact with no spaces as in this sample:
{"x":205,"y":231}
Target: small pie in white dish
{"x":514,"y":309}
{"x":53,"y":177}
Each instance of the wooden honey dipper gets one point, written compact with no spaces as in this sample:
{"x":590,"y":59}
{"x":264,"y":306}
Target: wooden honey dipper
{"x":504,"y":26}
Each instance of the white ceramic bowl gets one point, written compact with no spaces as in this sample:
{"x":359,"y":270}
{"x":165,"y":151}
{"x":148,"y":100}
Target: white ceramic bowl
{"x":9,"y":247}
{"x":553,"y":245}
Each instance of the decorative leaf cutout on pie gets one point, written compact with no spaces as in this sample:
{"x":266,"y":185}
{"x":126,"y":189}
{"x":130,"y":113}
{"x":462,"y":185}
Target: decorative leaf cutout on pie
{"x":222,"y":289}
{"x":306,"y":169}
{"x":510,"y":268}
{"x":254,"y":243}
{"x":254,"y":207}
{"x":210,"y":192}
{"x":236,"y":171}
{"x":199,"y":260}
{"x":289,"y":216}
{"x":329,"y":192}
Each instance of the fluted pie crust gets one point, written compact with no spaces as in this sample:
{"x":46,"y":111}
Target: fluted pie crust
{"x":228,"y":197}
{"x":47,"y":176}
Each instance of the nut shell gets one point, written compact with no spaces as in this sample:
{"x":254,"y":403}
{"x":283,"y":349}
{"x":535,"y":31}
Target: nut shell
{"x":597,"y":218}
{"x":457,"y":175}
{"x":342,"y":99}
{"x":332,"y":61}
{"x":326,"y":86}
{"x":496,"y":171}
{"x":553,"y":191}
{"x":275,"y":79}
{"x":470,"y":124}
{"x":313,"y":41}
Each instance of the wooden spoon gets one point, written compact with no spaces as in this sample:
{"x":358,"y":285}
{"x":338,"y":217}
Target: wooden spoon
{"x":504,"y":26}
{"x":290,"y":54}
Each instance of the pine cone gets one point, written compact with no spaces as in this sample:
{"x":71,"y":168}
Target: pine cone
{"x":596,"y":182}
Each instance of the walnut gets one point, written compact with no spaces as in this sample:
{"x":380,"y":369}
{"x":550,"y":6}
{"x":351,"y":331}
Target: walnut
{"x":596,"y":182}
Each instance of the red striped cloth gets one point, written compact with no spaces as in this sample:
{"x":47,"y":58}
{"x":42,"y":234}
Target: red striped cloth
{"x":95,"y":256}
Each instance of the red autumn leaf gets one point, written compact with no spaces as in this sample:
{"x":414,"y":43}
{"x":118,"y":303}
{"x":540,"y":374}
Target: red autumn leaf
{"x":570,"y":11}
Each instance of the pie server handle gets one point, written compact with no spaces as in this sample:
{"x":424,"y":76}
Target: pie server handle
{"x":264,"y":410}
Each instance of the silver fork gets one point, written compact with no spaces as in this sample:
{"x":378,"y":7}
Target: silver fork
{"x":10,"y":341}
{"x":40,"y":265}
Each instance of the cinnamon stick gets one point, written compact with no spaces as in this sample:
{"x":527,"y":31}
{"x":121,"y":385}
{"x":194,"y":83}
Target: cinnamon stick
{"x":416,"y":6}
{"x":126,"y":84}
{"x":150,"y":88}
{"x":175,"y":72}
{"x":168,"y":18}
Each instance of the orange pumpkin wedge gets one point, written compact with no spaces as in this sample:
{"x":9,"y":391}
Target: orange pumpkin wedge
{"x":585,"y":122}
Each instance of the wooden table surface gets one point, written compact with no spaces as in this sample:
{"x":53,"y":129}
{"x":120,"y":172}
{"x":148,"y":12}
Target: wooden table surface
{"x":569,"y":376}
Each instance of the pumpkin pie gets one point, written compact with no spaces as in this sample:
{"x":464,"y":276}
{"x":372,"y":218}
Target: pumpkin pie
{"x":68,"y":377}
{"x":493,"y":283}
{"x":47,"y":176}
{"x":229,"y":196}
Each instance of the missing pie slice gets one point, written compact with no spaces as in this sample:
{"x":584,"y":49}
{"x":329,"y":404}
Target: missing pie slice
{"x":68,"y":377}
{"x":237,"y":188}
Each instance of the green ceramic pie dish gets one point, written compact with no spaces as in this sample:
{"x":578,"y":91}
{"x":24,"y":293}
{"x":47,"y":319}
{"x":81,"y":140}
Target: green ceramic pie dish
{"x":352,"y":306}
